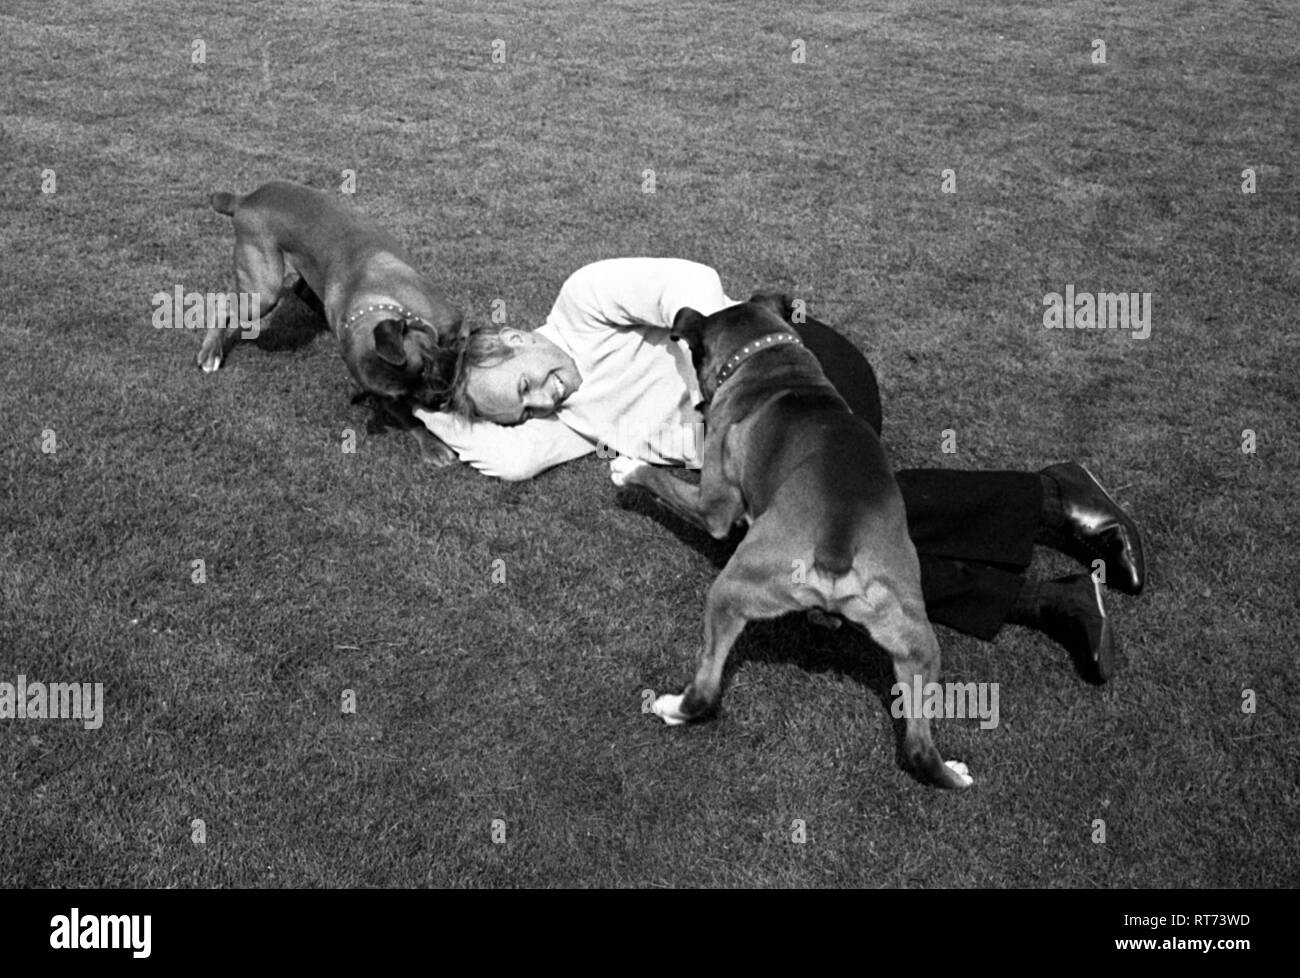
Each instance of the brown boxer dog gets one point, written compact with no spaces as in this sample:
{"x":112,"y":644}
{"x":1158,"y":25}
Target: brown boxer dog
{"x":398,"y":335}
{"x":827,"y":528}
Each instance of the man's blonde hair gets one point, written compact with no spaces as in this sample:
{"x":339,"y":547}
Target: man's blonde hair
{"x":484,"y":347}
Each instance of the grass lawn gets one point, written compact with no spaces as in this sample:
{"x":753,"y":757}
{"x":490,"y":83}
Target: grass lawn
{"x":519,"y":702}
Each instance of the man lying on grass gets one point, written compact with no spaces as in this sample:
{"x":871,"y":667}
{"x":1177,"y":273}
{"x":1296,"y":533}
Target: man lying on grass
{"x":604,"y":373}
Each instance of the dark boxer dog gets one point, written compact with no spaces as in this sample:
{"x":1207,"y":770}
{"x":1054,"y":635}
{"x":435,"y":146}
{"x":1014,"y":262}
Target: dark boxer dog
{"x":827,"y":529}
{"x":398,"y":335}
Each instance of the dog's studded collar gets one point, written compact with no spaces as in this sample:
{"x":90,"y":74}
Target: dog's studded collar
{"x":402,"y":312}
{"x":749,"y":349}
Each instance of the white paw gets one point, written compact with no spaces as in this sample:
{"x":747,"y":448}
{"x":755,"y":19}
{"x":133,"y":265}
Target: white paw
{"x":962,"y":772}
{"x":209,"y":363}
{"x":669,"y":709}
{"x":622,"y":468}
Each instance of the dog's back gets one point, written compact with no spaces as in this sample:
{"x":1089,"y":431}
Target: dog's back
{"x":806,"y":455}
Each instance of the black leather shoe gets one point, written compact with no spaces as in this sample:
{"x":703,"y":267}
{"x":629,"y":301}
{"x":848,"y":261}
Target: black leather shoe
{"x":1098,"y":527}
{"x":1075,"y":617}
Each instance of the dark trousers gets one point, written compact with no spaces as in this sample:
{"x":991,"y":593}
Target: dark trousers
{"x":973,"y":531}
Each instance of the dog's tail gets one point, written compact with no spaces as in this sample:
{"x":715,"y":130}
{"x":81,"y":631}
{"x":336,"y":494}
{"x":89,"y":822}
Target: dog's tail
{"x":224,"y":203}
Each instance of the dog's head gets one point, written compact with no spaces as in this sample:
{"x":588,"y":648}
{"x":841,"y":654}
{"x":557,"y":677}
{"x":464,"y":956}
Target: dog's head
{"x":713,"y":339}
{"x":406,"y":359}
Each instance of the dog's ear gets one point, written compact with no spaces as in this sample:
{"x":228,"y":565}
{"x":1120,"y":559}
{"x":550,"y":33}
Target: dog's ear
{"x":777,"y":302}
{"x":389,"y":345}
{"x":688,"y":325}
{"x":436,"y":378}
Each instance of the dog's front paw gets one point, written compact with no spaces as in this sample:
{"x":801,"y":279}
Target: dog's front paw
{"x":433,"y":450}
{"x":439,"y":458}
{"x":669,"y":709}
{"x":623,"y":470}
{"x":209,"y":358}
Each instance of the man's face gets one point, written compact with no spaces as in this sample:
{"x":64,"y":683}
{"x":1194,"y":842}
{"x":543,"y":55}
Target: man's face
{"x":530,"y":384}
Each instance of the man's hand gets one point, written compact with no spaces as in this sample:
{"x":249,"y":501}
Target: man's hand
{"x":511,"y":453}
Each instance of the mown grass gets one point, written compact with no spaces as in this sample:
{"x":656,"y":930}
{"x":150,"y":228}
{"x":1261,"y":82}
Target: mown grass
{"x":521,"y":701}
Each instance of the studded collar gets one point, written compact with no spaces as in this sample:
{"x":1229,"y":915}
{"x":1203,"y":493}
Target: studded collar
{"x":402,"y":312}
{"x":765,"y":342}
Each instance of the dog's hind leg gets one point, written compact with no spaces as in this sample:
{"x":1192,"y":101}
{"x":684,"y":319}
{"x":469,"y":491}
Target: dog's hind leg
{"x":723,"y":622}
{"x":259,"y":278}
{"x":749,"y":588}
{"x":895,"y":618}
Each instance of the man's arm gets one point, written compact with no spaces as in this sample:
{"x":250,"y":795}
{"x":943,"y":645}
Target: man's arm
{"x":636,"y":292}
{"x":512,"y":453}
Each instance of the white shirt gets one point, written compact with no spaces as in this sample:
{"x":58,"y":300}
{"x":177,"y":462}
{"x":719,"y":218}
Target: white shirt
{"x":638,"y":392}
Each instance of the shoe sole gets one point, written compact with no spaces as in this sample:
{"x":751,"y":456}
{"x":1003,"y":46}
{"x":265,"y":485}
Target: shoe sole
{"x":1105,"y":659}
